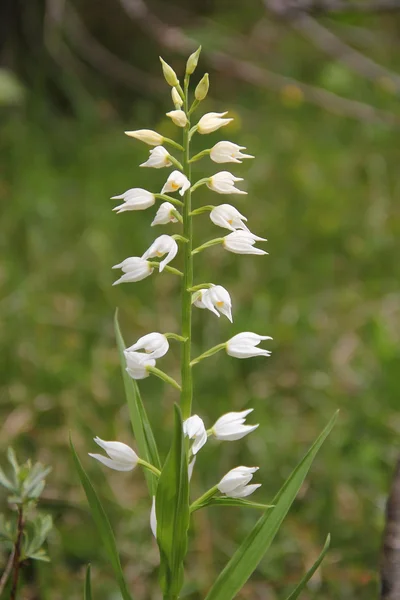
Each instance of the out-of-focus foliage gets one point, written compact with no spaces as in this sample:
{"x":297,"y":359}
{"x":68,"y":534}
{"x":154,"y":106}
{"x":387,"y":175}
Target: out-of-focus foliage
{"x":324,"y":190}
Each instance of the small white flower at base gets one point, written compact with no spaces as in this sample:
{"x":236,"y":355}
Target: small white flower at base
{"x":194,"y":429}
{"x":224,"y":183}
{"x":152,"y":138}
{"x":229,"y":217}
{"x":164,"y":215}
{"x":159,"y":158}
{"x":176,"y":181}
{"x":178,"y":117}
{"x":234,"y":483}
{"x":153,"y":518}
{"x":243,"y":345}
{"x":212,"y":121}
{"x":165,"y":244}
{"x":135,"y":269}
{"x":121,"y":456}
{"x":226,"y":152}
{"x":137,"y":363}
{"x":231,"y":427}
{"x":216,"y":299}
{"x":154,"y":344}
{"x":134,"y":199}
{"x":242,"y":242}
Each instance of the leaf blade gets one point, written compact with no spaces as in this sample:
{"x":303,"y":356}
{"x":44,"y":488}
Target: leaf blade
{"x":88,"y":586}
{"x":300,"y":587}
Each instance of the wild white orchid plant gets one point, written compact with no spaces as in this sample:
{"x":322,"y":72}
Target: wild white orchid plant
{"x":169,"y":481}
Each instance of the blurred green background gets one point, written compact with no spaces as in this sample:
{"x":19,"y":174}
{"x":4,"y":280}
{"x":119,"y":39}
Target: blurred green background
{"x":323,"y":189}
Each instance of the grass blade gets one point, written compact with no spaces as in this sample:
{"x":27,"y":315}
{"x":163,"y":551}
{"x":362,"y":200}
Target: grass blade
{"x":253,"y":548}
{"x":102,"y":524}
{"x":140,"y":423}
{"x":88,"y":586}
{"x":297,"y":591}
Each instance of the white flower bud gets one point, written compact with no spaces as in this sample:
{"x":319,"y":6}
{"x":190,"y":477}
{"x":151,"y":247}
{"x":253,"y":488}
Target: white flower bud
{"x":121,"y":456}
{"x":137,"y":363}
{"x":176,"y":98}
{"x":212,"y":121}
{"x":201,"y":90}
{"x":243,"y":345}
{"x":164,"y":244}
{"x":135,"y":269}
{"x":159,"y":157}
{"x":225,"y":152}
{"x":192,"y":61}
{"x":153,"y":518}
{"x":231,"y":427}
{"x":229,"y":217}
{"x":242,"y":242}
{"x":164,"y":215}
{"x":178,"y":117}
{"x":224,"y":183}
{"x":215,"y":299}
{"x":176,"y":181}
{"x":194,"y":429}
{"x":169,"y":74}
{"x":154,"y":344}
{"x":134,"y":199}
{"x":152,"y":138}
{"x":234,"y":483}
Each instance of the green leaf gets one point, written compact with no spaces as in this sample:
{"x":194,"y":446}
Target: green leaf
{"x":172,"y":510}
{"x":5,"y":482}
{"x":253,"y":548}
{"x":297,"y":591}
{"x":103,"y":525}
{"x":140,"y":423}
{"x":88,"y":586}
{"x":225,"y":501}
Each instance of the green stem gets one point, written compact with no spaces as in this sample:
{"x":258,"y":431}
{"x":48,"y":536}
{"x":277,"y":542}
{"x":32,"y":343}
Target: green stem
{"x":208,"y":353}
{"x":169,"y":199}
{"x":208,"y":245}
{"x":202,"y":209}
{"x":175,"y":162}
{"x":200,"y":501}
{"x":186,"y":326}
{"x":172,"y":143}
{"x":164,"y":377}
{"x":149,"y":467}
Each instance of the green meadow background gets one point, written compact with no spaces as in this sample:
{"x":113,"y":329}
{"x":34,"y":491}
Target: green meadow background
{"x":324,"y":189}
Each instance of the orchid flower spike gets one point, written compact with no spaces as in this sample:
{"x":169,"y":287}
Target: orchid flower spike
{"x":159,"y":158}
{"x":134,"y":199}
{"x":216,"y":299}
{"x":231,"y":426}
{"x":121,"y":456}
{"x":224,"y":183}
{"x":243,"y":345}
{"x":225,"y":152}
{"x":164,"y":244}
{"x":154,"y":344}
{"x":178,"y":117}
{"x":194,"y":429}
{"x":165,"y":215}
{"x":137,"y":363}
{"x":153,"y":518}
{"x":229,"y":217}
{"x":212,"y":121}
{"x":242,"y":242}
{"x":134,"y":269}
{"x":176,"y":181}
{"x":152,"y":138}
{"x":234,"y":483}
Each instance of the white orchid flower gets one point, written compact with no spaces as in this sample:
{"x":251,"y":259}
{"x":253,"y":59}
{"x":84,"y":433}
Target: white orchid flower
{"x":242,"y":242}
{"x":152,"y":138}
{"x":243,"y":345}
{"x":229,"y":217}
{"x":176,"y":181}
{"x":216,"y":299}
{"x":212,"y":121}
{"x":134,"y":199}
{"x":235,"y":483}
{"x":164,"y":244}
{"x":137,"y":363}
{"x":224,"y":183}
{"x":153,"y":518}
{"x":121,"y":456}
{"x":231,"y":426}
{"x":194,"y":429}
{"x":176,"y":98}
{"x":178,"y":117}
{"x":165,"y":215}
{"x":159,"y":158}
{"x":225,"y":152}
{"x":154,"y":344}
{"x":134,"y":269}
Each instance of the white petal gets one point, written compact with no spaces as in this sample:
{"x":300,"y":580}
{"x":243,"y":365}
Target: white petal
{"x":245,"y":491}
{"x":112,"y":464}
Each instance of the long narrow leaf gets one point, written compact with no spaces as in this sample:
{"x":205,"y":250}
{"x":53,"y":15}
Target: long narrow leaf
{"x":226,"y":501}
{"x":88,"y":586}
{"x":140,"y":423}
{"x":253,"y":548}
{"x":297,"y":591}
{"x":102,"y":524}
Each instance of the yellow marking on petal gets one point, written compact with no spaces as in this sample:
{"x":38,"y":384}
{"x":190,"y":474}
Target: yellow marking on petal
{"x":175,"y":186}
{"x":220,"y":303}
{"x":230,"y":221}
{"x":158,"y":253}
